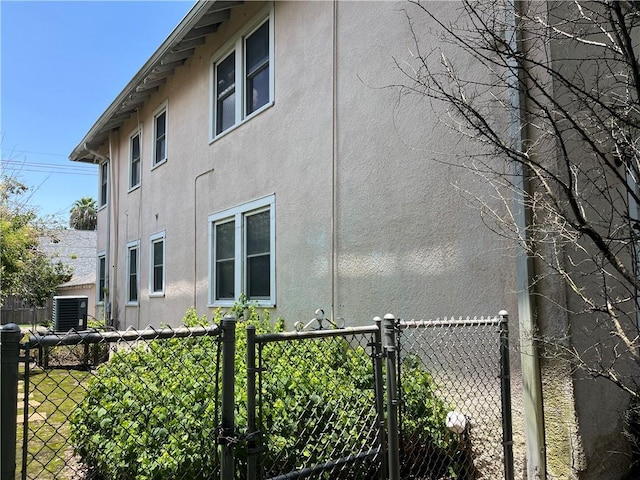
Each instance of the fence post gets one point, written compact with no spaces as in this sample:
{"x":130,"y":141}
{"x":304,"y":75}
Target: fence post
{"x":392,"y":396}
{"x":379,"y":394}
{"x":252,"y":443}
{"x":505,"y":391}
{"x":9,"y":353}
{"x":227,"y":434}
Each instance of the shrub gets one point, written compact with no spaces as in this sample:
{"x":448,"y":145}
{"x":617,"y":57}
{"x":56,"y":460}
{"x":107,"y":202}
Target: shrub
{"x":150,"y":412}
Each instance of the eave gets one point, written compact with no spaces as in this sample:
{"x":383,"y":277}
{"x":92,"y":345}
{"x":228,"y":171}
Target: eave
{"x":203,"y":19}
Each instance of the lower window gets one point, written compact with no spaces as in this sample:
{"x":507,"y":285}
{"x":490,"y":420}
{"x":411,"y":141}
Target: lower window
{"x":132,"y":272}
{"x":156,"y":270}
{"x":242,"y":253}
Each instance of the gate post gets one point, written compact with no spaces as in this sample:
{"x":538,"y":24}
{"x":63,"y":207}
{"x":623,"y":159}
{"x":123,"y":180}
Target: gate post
{"x":392,"y":396}
{"x":252,"y":443}
{"x":9,"y":353}
{"x":505,"y":391}
{"x":227,"y":433}
{"x":379,"y":395}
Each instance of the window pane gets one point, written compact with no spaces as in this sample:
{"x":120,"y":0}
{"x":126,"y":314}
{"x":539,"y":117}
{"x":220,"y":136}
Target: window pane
{"x":225,"y":240}
{"x":257,"y":69}
{"x":226,"y":75}
{"x":158,"y":253}
{"x":102,"y":270}
{"x":161,"y":138}
{"x":258,"y":276}
{"x":158,"y":265}
{"x":257,"y":90}
{"x":157,"y":278}
{"x":225,"y":272}
{"x":161,"y":124}
{"x":225,"y":262}
{"x":257,"y":48}
{"x":135,"y":173}
{"x":226,"y":113}
{"x":133,"y":275}
{"x":135,"y":161}
{"x":133,"y":291}
{"x":135,"y":147}
{"x":258,"y":233}
{"x":160,"y":150}
{"x":258,"y":265}
{"x":225,"y":93}
{"x":103,"y":183}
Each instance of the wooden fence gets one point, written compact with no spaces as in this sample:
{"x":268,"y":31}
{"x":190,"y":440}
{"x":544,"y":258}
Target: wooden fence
{"x":14,"y":310}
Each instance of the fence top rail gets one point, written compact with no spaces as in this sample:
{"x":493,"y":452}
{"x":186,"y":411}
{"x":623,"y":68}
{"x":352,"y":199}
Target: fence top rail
{"x":452,"y":322}
{"x":338,"y":332}
{"x":94,"y":336}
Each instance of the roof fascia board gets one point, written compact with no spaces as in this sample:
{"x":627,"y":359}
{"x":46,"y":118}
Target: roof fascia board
{"x":189,"y":21}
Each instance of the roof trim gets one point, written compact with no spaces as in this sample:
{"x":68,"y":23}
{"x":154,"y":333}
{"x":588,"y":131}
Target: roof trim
{"x":203,"y":19}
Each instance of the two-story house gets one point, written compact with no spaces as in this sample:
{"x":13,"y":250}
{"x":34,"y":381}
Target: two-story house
{"x":263,"y":151}
{"x":258,"y":151}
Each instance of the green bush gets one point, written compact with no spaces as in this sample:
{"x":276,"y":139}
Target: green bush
{"x":150,"y":411}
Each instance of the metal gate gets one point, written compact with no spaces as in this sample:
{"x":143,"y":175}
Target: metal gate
{"x":426,"y":400}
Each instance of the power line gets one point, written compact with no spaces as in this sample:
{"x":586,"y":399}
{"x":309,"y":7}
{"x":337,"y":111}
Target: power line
{"x":37,"y":167}
{"x":40,"y":153}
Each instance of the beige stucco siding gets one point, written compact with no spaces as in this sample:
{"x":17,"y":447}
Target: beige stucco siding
{"x":403,"y":235}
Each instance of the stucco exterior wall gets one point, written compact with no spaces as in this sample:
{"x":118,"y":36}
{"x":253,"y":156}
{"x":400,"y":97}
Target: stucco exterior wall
{"x":405,"y":242}
{"x":370,"y":215}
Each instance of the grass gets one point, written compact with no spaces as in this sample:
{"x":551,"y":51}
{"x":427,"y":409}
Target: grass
{"x":53,"y":395}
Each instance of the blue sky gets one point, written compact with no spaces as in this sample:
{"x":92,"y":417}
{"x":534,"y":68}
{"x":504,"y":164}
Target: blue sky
{"x":61,"y":65}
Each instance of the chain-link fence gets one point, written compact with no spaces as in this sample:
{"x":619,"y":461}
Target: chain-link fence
{"x":467,"y":361}
{"x":331,"y":403}
{"x":319,"y":404}
{"x":133,"y":404}
{"x":424,"y":400}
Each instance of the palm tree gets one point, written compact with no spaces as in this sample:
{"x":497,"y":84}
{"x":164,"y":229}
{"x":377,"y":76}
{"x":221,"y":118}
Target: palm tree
{"x":84,"y":214}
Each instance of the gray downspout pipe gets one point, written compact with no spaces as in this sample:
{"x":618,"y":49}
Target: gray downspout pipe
{"x":107,"y":296}
{"x":532,"y":385}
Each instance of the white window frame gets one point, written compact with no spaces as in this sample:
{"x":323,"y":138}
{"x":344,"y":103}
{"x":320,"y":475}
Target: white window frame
{"x":100,"y":296}
{"x":164,"y":108}
{"x":238,"y":214}
{"x":134,"y":245}
{"x":153,"y":239}
{"x":237,"y":45}
{"x":137,"y":132}
{"x":103,"y":179}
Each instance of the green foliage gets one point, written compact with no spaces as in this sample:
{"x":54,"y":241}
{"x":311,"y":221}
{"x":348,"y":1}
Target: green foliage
{"x":150,"y":412}
{"x":25,"y":270}
{"x":84,"y":214}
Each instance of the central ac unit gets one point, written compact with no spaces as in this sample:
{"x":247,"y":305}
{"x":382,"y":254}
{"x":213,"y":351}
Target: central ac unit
{"x":70,"y":313}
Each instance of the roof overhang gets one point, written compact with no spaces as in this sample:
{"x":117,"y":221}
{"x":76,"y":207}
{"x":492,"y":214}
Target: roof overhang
{"x":203,"y":19}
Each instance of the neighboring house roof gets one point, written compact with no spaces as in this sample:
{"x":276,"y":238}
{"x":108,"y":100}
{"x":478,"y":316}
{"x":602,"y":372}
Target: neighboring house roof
{"x":75,"y":248}
{"x":203,"y":19}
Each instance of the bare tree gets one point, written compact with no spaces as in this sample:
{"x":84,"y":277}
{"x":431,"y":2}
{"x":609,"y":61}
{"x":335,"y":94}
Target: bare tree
{"x":556,"y":115}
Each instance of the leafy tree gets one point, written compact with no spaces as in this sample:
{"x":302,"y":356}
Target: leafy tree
{"x":84,"y":214}
{"x":25,"y":270}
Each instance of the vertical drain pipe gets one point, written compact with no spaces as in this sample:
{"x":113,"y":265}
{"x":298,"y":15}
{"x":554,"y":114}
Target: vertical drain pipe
{"x":334,"y":156}
{"x":532,"y":385}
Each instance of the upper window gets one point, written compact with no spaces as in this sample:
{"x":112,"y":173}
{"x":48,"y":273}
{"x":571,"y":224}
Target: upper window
{"x":134,"y":160}
{"x":156,"y":265}
{"x":243,"y":77}
{"x":133,"y":266}
{"x":242,"y":253}
{"x":104,"y":182}
{"x":160,"y":136}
